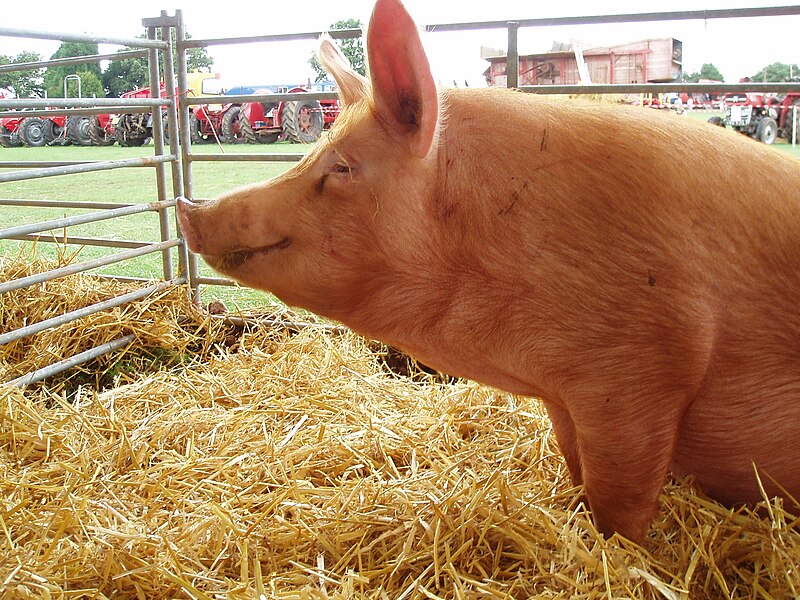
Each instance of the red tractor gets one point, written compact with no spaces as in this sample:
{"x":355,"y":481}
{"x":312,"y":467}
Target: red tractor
{"x":301,"y":121}
{"x":9,"y":132}
{"x":761,"y":116}
{"x":135,"y":129}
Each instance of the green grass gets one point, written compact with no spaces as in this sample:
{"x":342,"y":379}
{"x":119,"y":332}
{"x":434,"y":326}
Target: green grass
{"x":130,"y":185}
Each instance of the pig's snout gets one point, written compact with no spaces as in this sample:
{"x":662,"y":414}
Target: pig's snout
{"x":186,"y":212}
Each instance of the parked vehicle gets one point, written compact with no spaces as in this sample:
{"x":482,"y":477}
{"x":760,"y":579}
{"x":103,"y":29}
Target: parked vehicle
{"x":764,"y":117}
{"x":9,"y":132}
{"x":301,"y":121}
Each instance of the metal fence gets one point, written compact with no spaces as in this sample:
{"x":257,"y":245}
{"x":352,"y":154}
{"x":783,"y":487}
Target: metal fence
{"x":173,"y":166}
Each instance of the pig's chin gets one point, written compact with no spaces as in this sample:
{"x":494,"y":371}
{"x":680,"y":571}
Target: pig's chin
{"x":233,"y":261}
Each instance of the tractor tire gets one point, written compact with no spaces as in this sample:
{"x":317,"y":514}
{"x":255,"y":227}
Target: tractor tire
{"x":8,"y":138}
{"x":54,"y":134}
{"x":196,"y":131}
{"x":99,"y":136}
{"x":78,"y":130}
{"x":767,"y":130}
{"x":251,"y":137}
{"x":128,"y":141}
{"x":31,"y":132}
{"x":718,"y":121}
{"x":302,"y":121}
{"x":231,"y":127}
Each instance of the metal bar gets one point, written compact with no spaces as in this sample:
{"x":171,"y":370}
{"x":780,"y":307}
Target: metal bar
{"x":75,"y":60}
{"x":338,"y":34}
{"x":293,"y":157}
{"x":33,"y":164}
{"x":88,"y":265}
{"x":216,"y":281}
{"x":686,"y":15}
{"x":73,"y":361}
{"x":615,"y":88}
{"x":75,"y":37}
{"x":158,"y":143}
{"x":79,"y":241}
{"x":243,"y":98}
{"x":85,"y":168}
{"x":97,"y":110}
{"x":86,"y":311}
{"x":123,"y":103}
{"x":512,"y":59}
{"x":176,"y":166}
{"x":62,"y":204}
{"x":80,"y":219}
{"x":186,"y":147}
{"x":128,"y":279}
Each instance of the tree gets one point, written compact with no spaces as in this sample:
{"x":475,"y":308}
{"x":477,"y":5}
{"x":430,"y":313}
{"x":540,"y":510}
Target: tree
{"x":125,"y":75}
{"x":707,"y":71}
{"x":352,"y":48}
{"x":776,"y":72}
{"x":22,"y":84}
{"x":131,"y":73}
{"x":89,"y":73}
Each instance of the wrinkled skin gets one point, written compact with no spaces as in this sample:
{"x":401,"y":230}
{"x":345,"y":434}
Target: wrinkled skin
{"x":637,"y":273}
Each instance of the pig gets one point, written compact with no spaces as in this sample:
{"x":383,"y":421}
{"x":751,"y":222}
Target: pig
{"x":636,"y":272}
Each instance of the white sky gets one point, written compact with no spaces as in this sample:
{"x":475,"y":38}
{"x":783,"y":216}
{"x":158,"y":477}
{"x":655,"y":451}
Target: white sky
{"x":738,"y":47}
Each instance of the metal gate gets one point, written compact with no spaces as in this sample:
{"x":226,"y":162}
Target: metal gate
{"x":168,"y":185}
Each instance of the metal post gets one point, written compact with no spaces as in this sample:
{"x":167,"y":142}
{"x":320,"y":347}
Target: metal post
{"x":186,"y":142}
{"x":158,"y":142}
{"x":512,"y":56}
{"x":174,"y":140}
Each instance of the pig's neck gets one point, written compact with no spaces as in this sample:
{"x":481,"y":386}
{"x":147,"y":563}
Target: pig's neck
{"x":441,"y":304}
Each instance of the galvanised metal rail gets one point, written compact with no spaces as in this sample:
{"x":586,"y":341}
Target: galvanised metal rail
{"x":152,"y":48}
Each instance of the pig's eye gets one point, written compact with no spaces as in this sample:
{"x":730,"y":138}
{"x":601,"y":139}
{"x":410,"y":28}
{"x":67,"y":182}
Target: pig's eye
{"x":342,"y":168}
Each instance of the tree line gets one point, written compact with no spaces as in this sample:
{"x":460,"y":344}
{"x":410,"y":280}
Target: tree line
{"x":118,"y":77}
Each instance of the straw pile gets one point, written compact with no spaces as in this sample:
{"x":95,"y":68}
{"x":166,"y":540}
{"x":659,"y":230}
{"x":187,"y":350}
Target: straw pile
{"x":297,"y":466}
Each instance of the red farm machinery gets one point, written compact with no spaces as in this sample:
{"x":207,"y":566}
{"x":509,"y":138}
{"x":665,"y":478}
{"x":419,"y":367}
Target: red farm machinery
{"x":264,"y":122}
{"x":763,"y":117}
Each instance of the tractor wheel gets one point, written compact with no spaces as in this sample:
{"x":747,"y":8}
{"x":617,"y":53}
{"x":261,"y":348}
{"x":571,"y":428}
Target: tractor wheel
{"x":718,"y":121}
{"x":231,"y":126}
{"x":127,"y":141}
{"x":31,"y":132}
{"x":302,"y":121}
{"x":196,"y":131}
{"x":78,"y":130}
{"x":54,"y":134}
{"x":100,"y":136}
{"x":767,"y":130}
{"x":251,"y":137}
{"x":8,"y":138}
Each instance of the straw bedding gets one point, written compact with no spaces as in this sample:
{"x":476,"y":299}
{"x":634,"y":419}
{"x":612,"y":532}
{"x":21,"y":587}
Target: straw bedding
{"x":293,"y":464}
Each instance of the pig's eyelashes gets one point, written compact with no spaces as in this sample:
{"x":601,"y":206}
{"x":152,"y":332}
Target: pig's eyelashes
{"x":342,"y":168}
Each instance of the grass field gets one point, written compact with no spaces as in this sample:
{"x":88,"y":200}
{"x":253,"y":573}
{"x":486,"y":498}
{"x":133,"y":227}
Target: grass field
{"x":132,"y":185}
{"x":138,"y":185}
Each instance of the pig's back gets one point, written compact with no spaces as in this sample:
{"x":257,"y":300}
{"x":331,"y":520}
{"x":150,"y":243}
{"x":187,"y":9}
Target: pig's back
{"x":678,"y":241}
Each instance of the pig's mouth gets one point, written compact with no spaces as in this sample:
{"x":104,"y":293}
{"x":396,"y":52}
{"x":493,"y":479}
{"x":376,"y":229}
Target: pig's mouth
{"x":233,"y":260}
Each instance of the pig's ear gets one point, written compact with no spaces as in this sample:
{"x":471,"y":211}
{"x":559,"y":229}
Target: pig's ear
{"x":352,"y":86}
{"x":402,"y":85}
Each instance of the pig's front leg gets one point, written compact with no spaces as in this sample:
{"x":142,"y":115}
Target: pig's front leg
{"x":624,"y":457}
{"x":567,"y":439}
